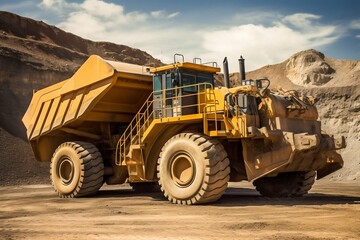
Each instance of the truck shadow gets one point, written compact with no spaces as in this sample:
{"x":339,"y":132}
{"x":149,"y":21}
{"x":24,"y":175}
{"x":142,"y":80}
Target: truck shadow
{"x":250,"y":197}
{"x":245,"y":197}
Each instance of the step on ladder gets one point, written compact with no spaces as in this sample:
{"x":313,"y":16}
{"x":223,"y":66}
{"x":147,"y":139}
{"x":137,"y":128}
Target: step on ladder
{"x":129,"y":147}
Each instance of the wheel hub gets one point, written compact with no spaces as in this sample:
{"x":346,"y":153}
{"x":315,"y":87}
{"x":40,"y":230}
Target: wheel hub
{"x":66,"y":170}
{"x":182,"y":170}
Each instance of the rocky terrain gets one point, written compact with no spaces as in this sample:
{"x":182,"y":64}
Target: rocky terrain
{"x":336,"y":85}
{"x":34,"y":55}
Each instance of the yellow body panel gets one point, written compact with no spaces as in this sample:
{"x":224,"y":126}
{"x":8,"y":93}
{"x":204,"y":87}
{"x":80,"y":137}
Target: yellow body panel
{"x":187,"y":65}
{"x":99,"y":91}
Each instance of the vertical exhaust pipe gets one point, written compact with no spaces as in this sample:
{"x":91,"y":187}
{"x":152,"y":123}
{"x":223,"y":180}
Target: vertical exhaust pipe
{"x":242,"y":69}
{"x":226,"y":73}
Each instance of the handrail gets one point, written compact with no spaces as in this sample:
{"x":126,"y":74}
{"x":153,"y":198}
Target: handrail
{"x":180,"y":55}
{"x":143,"y":118}
{"x":128,"y":133}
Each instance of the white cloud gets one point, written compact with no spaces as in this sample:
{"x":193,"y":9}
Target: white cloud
{"x":355,"y":24}
{"x":101,"y":9}
{"x":156,"y":32}
{"x":256,"y":17}
{"x":103,"y":21}
{"x":83,"y":24}
{"x":158,"y":14}
{"x":52,"y":4}
{"x":301,"y":20}
{"x":161,"y":14}
{"x":58,"y":6}
{"x":172,"y":15}
{"x":262,"y":45}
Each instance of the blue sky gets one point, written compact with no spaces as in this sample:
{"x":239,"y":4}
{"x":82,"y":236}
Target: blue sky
{"x":264,"y":32}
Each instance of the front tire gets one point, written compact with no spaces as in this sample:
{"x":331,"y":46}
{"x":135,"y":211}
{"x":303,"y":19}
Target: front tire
{"x":193,"y":169}
{"x":76,"y":170}
{"x":292,"y":184}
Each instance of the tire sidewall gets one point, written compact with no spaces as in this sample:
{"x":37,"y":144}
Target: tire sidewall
{"x":182,"y":145}
{"x":69,"y":153}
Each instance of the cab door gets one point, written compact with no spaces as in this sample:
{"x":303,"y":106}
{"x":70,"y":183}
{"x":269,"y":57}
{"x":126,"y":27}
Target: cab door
{"x":165,"y":101}
{"x":157,"y":96}
{"x":168,"y":95}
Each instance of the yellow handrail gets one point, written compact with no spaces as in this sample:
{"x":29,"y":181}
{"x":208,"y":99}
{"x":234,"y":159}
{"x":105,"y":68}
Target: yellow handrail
{"x":128,"y":133}
{"x":143,"y":118}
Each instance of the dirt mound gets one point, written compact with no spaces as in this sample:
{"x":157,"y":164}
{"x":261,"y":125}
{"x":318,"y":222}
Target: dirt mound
{"x":309,"y":68}
{"x":18,"y":164}
{"x":34,"y":55}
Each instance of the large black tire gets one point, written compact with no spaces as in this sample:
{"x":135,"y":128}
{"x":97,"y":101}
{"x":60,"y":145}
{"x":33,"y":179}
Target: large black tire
{"x":193,"y":169}
{"x":145,"y":187}
{"x":76,"y":170}
{"x":292,"y":184}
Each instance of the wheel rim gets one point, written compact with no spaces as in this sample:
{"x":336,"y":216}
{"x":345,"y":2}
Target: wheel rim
{"x":66,"y":170}
{"x":182,"y":170}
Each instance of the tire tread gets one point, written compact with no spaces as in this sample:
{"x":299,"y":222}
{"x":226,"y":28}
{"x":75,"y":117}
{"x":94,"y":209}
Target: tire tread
{"x":296,"y":184}
{"x":217,"y":170}
{"x":91,"y":170}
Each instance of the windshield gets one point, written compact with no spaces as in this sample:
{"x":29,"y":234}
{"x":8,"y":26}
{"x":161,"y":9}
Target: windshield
{"x":192,"y":77}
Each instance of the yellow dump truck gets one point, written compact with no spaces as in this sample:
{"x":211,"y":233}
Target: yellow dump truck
{"x":169,"y":127}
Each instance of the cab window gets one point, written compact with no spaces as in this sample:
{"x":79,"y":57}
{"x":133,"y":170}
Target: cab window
{"x":189,"y":79}
{"x":157,"y":83}
{"x":205,"y":78}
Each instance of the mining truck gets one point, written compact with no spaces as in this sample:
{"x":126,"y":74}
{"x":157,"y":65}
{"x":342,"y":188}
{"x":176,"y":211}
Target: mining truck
{"x":170,"y":128}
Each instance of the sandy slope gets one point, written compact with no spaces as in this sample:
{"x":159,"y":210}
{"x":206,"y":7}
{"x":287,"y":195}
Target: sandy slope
{"x":337,"y":91}
{"x":18,"y":164}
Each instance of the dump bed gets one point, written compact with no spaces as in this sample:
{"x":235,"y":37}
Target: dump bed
{"x":100,"y":91}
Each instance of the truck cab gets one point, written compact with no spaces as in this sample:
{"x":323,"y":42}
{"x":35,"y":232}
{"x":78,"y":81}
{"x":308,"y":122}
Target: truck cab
{"x":176,"y":87}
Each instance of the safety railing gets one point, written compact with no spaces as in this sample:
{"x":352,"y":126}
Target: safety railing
{"x":131,"y":134}
{"x":177,"y":97}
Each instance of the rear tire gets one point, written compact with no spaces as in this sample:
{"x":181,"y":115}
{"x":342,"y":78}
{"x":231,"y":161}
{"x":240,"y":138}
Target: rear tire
{"x":76,"y":170}
{"x":193,"y":169}
{"x":292,"y":184}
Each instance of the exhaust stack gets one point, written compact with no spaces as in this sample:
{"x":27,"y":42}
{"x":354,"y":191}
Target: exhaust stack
{"x":242,"y":69}
{"x":226,"y":73}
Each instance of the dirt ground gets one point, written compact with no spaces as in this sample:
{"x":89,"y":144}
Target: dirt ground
{"x":330,"y":211}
